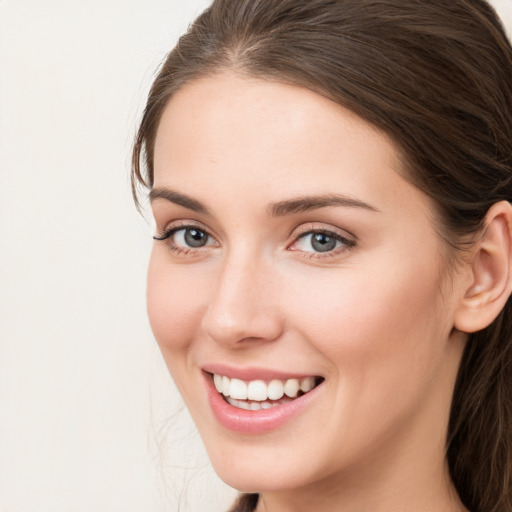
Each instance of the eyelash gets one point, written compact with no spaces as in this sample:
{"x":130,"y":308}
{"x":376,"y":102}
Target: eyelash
{"x":169,"y":232}
{"x":347,"y":244}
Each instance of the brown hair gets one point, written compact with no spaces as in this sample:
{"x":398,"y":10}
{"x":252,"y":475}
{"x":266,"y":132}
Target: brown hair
{"x":436,"y":76}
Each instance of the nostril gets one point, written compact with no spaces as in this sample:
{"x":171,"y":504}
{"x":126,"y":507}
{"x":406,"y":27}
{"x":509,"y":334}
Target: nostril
{"x":239,"y":327}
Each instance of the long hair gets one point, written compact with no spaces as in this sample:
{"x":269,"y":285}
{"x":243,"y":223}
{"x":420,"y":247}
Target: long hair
{"x":436,"y":76}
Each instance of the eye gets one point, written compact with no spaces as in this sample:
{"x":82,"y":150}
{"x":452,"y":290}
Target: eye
{"x":191,"y":237}
{"x":321,"y":241}
{"x":185,"y":238}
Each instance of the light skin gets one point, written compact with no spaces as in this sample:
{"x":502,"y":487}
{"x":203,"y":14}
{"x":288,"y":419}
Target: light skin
{"x":381,"y":316}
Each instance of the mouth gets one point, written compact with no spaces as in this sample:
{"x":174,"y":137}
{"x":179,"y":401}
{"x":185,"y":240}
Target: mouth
{"x":255,"y":395}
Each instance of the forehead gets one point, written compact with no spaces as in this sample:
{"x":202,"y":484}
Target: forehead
{"x":231,"y":136}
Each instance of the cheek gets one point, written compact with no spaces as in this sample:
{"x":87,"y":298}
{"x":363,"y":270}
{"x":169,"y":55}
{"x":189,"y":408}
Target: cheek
{"x":175,"y":302}
{"x":383,"y":335}
{"x":372,"y":317}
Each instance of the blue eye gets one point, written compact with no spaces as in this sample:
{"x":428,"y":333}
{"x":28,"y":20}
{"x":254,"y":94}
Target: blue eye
{"x":188,"y":237}
{"x":191,"y":237}
{"x":321,"y":242}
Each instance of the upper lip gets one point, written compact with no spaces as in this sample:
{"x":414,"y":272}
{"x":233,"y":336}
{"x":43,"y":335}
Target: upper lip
{"x":254,"y":373}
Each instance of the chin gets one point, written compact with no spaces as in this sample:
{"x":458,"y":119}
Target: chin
{"x":250,"y":478}
{"x":254,"y":467}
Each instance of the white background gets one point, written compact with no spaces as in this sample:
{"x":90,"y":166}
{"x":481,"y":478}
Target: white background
{"x":89,"y":419}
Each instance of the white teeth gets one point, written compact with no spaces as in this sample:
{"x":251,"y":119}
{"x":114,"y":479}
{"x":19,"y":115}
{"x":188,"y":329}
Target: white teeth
{"x":217,"y":379}
{"x":225,"y":385}
{"x":241,"y":404}
{"x":291,"y":388}
{"x":238,"y":389}
{"x":275,"y":390}
{"x":256,"y":406}
{"x":259,"y":391}
{"x":307,"y":384}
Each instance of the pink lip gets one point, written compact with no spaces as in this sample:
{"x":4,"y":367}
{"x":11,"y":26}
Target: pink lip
{"x":254,"y":422}
{"x":252,"y":373}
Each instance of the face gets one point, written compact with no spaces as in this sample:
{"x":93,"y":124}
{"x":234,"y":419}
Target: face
{"x":296,"y":271}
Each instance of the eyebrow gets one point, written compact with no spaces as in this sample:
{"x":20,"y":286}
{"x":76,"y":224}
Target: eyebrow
{"x":308,"y":203}
{"x":179,"y":199}
{"x":280,"y":209}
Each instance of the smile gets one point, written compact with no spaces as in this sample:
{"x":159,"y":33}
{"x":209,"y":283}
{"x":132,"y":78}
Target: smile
{"x":258,"y":394}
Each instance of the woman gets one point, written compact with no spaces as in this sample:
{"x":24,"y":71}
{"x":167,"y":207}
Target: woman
{"x":330,"y":280}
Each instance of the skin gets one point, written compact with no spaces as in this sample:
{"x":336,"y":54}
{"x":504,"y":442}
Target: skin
{"x":374,"y":317}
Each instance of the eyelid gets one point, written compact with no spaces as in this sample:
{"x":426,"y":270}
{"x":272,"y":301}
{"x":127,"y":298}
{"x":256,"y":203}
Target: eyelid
{"x":312,"y":227}
{"x":348,"y":240}
{"x":168,"y":237}
{"x":172,"y":227}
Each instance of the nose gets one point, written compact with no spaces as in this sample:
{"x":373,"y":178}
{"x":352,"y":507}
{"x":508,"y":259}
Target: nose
{"x":243,"y":307}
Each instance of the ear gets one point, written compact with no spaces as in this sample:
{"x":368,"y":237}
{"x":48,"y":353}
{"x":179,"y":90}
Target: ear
{"x":491,"y":272}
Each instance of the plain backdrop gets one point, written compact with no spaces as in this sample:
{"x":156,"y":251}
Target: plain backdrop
{"x":89,"y":419}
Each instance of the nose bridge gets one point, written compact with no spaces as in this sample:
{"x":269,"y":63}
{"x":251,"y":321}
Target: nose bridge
{"x":242,"y":307}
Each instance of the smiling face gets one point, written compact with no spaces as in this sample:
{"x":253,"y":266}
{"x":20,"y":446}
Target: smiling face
{"x":292,"y":253}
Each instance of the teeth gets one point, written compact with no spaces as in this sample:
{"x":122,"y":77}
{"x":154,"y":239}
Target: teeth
{"x":225,"y":386}
{"x":256,"y":406}
{"x":238,"y":389}
{"x":258,"y":391}
{"x":241,"y":404}
{"x":307,"y":384}
{"x":291,"y":388}
{"x":275,"y":390}
{"x":217,"y":379}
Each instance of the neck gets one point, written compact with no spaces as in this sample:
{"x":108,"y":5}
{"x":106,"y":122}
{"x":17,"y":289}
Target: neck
{"x":371,"y":491}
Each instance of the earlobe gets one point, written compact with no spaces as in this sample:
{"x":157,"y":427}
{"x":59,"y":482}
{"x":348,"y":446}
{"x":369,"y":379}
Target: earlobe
{"x":491,"y":272}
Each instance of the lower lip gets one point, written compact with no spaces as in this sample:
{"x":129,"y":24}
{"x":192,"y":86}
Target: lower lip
{"x":255,"y":422}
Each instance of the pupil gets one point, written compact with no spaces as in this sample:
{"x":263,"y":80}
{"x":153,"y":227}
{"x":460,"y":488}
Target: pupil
{"x":195,"y":238}
{"x":323,"y":243}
